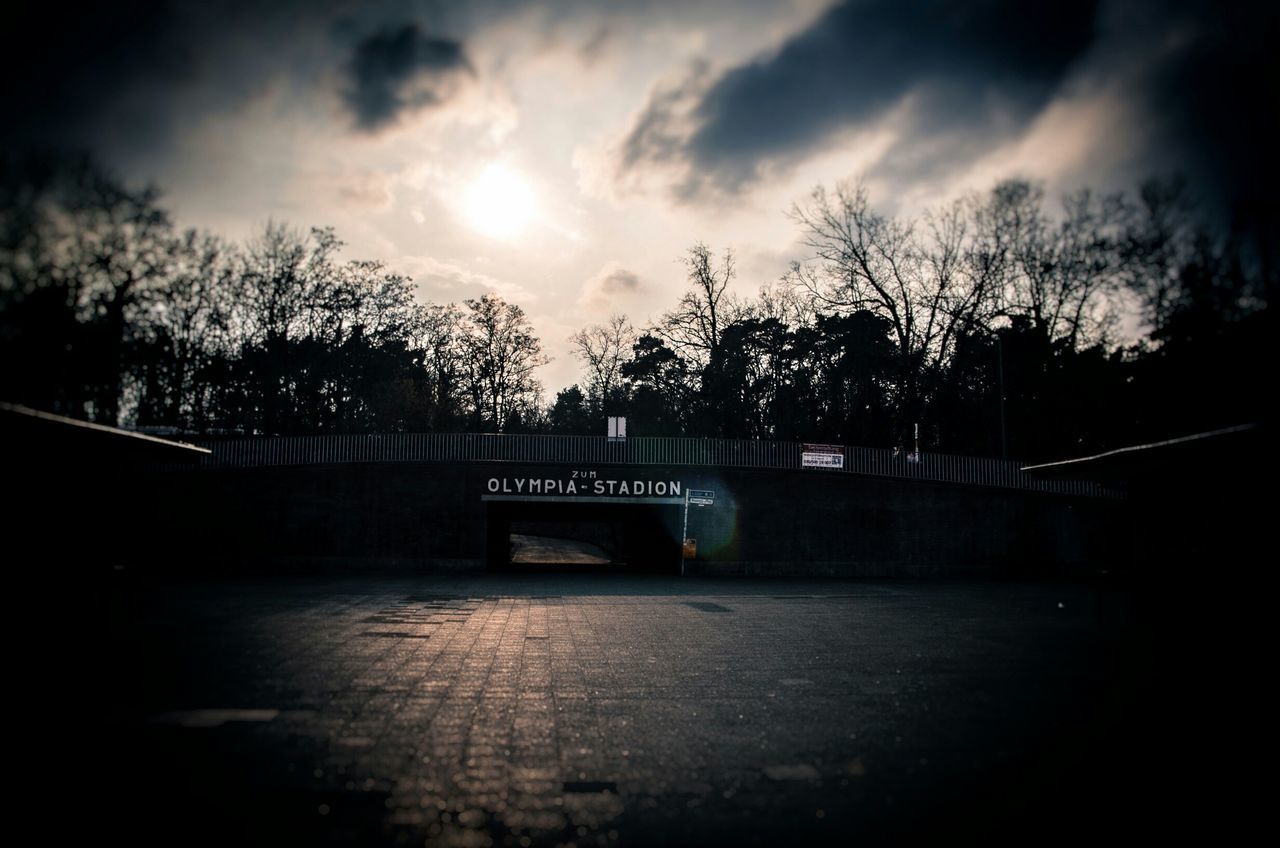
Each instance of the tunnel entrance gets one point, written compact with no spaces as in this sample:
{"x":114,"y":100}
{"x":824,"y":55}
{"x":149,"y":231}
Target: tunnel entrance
{"x":594,"y":537}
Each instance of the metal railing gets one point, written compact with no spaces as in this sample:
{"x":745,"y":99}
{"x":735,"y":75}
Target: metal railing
{"x":255,"y":451}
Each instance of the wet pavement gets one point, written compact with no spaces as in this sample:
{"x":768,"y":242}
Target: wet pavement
{"x":611,"y":710}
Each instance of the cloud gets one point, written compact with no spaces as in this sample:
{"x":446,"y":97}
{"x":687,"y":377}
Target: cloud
{"x":139,"y":73}
{"x":609,"y":289}
{"x":987,"y":65}
{"x":1167,"y":88}
{"x":1164,"y":86}
{"x":657,"y":140}
{"x":401,"y":70}
{"x":136,"y":78}
{"x":1201,"y":82}
{"x":439,"y":280}
{"x":228,"y":95}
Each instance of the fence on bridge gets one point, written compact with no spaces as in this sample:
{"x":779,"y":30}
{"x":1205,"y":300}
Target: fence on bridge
{"x":244,"y":452}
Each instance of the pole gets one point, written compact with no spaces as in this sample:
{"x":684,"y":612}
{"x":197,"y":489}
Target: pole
{"x":684,"y":531}
{"x":1004,"y":442}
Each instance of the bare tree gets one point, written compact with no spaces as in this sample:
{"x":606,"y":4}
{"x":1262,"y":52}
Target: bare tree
{"x":1061,"y":275}
{"x":864,"y":261}
{"x":693,"y":329}
{"x":501,"y":354}
{"x":363,"y":294}
{"x":1161,"y":242}
{"x":184,"y":327}
{"x":962,"y":267}
{"x":784,"y":302}
{"x":438,"y":333}
{"x":602,"y":349}
{"x":926,"y":282}
{"x":121,"y":247}
{"x":287,"y":283}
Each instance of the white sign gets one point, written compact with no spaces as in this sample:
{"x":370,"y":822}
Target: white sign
{"x":617,"y":428}
{"x":583,"y":487}
{"x":822,"y":456}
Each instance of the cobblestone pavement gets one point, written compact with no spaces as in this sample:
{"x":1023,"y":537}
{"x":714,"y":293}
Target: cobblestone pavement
{"x":591,"y":710}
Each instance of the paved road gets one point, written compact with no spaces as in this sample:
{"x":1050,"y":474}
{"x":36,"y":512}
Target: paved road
{"x":603,"y":710}
{"x":526,"y":549}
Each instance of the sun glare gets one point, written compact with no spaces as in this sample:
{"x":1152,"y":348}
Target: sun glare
{"x":499,"y":203}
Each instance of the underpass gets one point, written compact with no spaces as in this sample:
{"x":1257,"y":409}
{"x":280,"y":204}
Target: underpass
{"x":441,"y":503}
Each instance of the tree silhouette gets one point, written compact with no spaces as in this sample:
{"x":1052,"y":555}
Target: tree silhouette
{"x":569,"y":414}
{"x":500,"y":354}
{"x":602,"y":349}
{"x":989,"y":321}
{"x":694,"y":327}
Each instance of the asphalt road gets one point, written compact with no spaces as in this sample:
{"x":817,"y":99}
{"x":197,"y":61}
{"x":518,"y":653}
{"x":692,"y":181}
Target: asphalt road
{"x":614,"y":710}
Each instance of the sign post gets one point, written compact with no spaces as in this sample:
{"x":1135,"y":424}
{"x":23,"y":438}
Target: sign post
{"x":684,"y":531}
{"x":698,"y":497}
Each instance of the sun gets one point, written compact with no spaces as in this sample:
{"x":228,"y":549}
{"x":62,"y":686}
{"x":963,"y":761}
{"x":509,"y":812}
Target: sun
{"x":499,"y":203}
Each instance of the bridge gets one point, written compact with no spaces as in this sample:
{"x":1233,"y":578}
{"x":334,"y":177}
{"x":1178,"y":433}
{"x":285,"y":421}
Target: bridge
{"x":460,"y":502}
{"x":245,"y":452}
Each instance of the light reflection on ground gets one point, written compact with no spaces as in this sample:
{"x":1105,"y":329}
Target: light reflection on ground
{"x":601,"y":710}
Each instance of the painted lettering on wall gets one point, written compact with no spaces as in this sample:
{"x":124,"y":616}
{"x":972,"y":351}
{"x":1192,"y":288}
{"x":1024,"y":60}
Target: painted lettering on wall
{"x":580,"y":484}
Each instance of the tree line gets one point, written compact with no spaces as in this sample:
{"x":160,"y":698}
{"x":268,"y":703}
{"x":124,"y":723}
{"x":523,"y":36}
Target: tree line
{"x":108,"y":312}
{"x":989,"y":326}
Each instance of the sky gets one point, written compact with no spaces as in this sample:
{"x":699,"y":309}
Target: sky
{"x":567,"y":154}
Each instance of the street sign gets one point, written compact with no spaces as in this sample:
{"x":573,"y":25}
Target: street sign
{"x":698,"y":497}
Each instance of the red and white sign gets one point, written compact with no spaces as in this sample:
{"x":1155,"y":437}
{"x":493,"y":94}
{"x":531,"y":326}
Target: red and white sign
{"x":822,"y":456}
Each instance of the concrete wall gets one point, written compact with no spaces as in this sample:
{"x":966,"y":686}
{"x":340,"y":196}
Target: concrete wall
{"x":432,"y":517}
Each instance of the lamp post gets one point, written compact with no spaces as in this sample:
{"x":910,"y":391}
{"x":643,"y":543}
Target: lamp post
{"x":1004,"y":442}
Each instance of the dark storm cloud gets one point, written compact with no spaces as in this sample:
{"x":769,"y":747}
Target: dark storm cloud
{"x":398,"y":70}
{"x":1194,"y":83}
{"x":967,"y":62}
{"x":658,"y":133}
{"x":861,"y":58}
{"x":620,"y":281}
{"x":1194,"y":80}
{"x":1204,"y":80}
{"x":134,"y":74}
{"x":62,"y":63}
